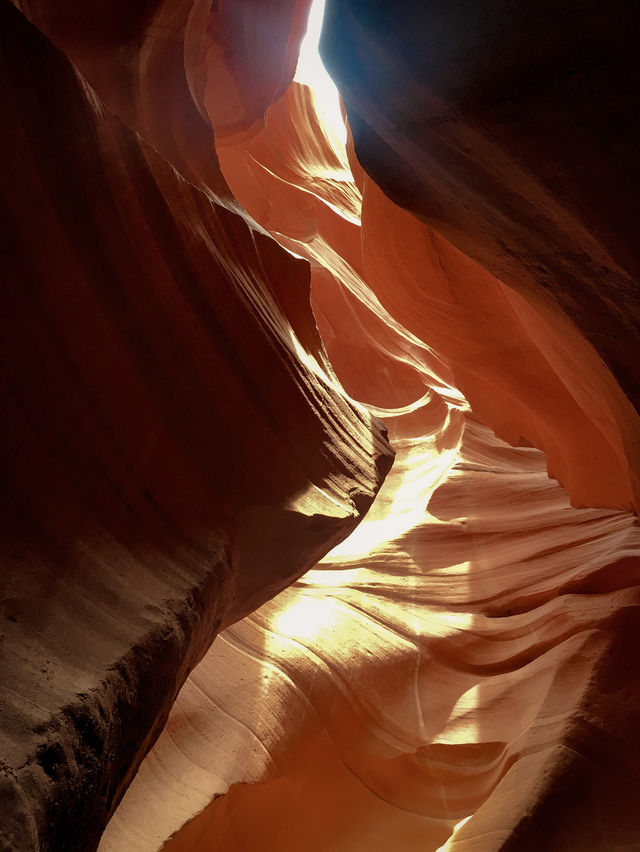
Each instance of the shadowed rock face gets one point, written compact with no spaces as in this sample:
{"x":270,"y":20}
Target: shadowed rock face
{"x":172,"y":452}
{"x":178,"y":448}
{"x":512,"y":130}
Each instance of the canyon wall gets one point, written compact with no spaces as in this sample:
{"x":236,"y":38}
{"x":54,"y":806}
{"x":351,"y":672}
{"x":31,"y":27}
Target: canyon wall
{"x":203,"y":278}
{"x":512,"y":132}
{"x":173,"y":452}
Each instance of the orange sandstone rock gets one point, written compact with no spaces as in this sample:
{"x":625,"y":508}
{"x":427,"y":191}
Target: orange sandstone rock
{"x":458,"y":671}
{"x":512,"y":133}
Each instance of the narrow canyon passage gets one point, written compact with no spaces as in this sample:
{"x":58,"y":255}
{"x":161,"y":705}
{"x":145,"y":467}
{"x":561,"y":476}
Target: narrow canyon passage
{"x":430,"y":681}
{"x":322,"y":447}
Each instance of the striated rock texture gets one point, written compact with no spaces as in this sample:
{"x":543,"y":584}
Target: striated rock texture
{"x":173,"y":452}
{"x":512,"y":130}
{"x":459,"y":672}
{"x":470,"y":662}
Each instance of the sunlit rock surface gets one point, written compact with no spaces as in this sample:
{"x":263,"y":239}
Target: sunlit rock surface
{"x":479,"y":663}
{"x":460,"y":671}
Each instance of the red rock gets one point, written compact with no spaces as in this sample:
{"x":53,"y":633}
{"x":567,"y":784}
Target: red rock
{"x":172,"y":454}
{"x":459,"y":670}
{"x":512,"y":132}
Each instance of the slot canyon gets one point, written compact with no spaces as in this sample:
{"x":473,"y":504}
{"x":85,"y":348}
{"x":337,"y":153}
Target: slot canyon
{"x":320,"y":458}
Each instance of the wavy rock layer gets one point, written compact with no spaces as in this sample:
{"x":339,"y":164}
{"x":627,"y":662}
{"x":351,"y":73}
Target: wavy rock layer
{"x":478,"y":663}
{"x":173,"y":453}
{"x":178,"y":448}
{"x":512,"y":131}
{"x":460,"y":670}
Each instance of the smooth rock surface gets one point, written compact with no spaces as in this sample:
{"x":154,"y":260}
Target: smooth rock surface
{"x":179,"y":446}
{"x":459,"y":673}
{"x":172,"y":453}
{"x":512,"y":131}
